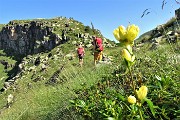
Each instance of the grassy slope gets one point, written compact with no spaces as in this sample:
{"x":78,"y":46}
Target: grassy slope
{"x":40,"y":100}
{"x":1,"y":26}
{"x":168,"y":26}
{"x":52,"y":101}
{"x":158,"y":69}
{"x":4,"y":73}
{"x":44,"y":101}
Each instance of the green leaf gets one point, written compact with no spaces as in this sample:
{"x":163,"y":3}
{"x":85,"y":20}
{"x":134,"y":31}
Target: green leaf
{"x":72,"y":101}
{"x":81,"y":104}
{"x":151,"y":106}
{"x":121,"y":97}
{"x":159,"y":84}
{"x":110,"y":118}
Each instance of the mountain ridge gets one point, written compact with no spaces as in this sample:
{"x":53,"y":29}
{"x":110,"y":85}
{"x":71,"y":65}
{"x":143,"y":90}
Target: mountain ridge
{"x":36,"y":35}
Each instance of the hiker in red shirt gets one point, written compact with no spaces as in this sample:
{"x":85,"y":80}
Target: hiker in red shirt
{"x":98,"y":49}
{"x":80,"y":52}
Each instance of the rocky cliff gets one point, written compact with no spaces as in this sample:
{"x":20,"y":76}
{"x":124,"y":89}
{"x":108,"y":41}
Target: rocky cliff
{"x":27,"y":38}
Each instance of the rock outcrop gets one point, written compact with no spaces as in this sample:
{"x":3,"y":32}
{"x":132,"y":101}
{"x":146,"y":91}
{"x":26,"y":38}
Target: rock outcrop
{"x":27,"y":38}
{"x":177,"y":13}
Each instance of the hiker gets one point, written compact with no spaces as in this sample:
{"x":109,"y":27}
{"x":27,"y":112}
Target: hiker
{"x":80,"y":52}
{"x":98,"y":49}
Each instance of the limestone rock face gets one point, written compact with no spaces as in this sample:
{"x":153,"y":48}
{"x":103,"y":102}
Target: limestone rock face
{"x":28,"y":38}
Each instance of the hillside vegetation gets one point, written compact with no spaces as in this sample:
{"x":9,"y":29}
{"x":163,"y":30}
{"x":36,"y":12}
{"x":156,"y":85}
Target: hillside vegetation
{"x":51,"y":86}
{"x":170,"y":25}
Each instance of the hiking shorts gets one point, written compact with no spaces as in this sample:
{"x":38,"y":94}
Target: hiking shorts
{"x":97,"y":56}
{"x":80,"y":56}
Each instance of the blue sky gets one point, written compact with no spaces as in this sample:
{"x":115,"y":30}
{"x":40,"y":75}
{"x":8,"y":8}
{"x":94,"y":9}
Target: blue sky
{"x":106,"y":15}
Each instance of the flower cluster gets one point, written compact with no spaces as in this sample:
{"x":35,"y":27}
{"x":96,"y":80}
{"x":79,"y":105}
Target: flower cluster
{"x":126,"y":35}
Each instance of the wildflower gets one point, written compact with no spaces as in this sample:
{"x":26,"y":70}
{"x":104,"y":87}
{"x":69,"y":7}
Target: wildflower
{"x":127,"y":55}
{"x":131,"y":99}
{"x":132,"y":32}
{"x":119,"y":33}
{"x":126,"y":35}
{"x":142,"y":92}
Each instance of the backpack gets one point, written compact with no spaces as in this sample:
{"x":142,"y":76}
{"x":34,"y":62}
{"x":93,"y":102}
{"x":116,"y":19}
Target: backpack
{"x":99,"y":45}
{"x":80,"y":51}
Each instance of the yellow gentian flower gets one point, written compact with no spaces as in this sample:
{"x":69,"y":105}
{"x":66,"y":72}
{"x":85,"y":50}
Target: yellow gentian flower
{"x":120,"y":33}
{"x":126,"y":35}
{"x":131,"y":99}
{"x":142,"y":92}
{"x":132,"y":32}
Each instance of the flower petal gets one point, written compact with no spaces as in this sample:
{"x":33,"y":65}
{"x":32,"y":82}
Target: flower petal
{"x":132,"y":32}
{"x":122,"y":32}
{"x":116,"y":34}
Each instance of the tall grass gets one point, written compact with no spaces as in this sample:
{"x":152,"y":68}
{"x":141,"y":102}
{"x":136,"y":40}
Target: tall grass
{"x":51,"y":101}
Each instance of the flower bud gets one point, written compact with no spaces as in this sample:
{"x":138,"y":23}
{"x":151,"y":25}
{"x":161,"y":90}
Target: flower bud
{"x":131,"y":99}
{"x":142,"y":92}
{"x":127,"y":55}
